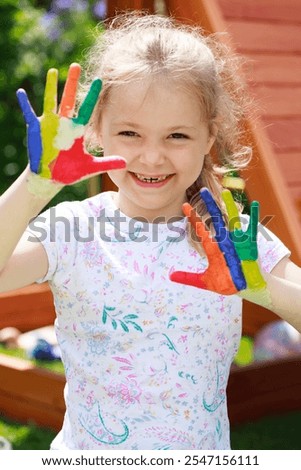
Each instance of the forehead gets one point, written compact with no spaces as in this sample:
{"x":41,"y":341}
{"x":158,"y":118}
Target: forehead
{"x":141,"y":98}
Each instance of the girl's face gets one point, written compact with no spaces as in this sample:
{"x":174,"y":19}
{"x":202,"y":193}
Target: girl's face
{"x":160,"y":132}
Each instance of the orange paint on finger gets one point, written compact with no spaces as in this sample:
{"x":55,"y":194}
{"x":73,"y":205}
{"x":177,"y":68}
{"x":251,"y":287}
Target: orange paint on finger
{"x":192,"y":215}
{"x":69,"y":94}
{"x":217,"y":277}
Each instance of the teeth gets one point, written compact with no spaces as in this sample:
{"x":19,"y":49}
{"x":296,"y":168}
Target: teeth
{"x":150,"y":179}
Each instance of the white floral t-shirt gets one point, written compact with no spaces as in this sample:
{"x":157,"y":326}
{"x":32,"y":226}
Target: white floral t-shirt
{"x":147,"y":360}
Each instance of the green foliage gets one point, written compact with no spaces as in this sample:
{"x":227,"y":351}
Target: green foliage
{"x":26,"y":436}
{"x":34,"y":38}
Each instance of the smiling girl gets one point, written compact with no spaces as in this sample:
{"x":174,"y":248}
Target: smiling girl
{"x":147,"y":359}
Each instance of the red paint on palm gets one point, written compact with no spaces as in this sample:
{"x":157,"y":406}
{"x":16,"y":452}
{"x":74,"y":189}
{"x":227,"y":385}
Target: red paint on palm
{"x":75,"y":164}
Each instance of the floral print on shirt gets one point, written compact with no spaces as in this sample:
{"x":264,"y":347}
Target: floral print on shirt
{"x":147,"y":360}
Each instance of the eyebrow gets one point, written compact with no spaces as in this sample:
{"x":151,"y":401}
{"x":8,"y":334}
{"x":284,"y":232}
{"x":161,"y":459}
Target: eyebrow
{"x":126,"y":123}
{"x":137,"y":126}
{"x":175,"y":128}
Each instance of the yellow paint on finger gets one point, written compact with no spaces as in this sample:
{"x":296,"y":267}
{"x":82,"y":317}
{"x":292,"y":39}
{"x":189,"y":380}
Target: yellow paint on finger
{"x":50,"y":95}
{"x":252,"y":274}
{"x":232,"y":211}
{"x":49,"y":130}
{"x":49,"y":124}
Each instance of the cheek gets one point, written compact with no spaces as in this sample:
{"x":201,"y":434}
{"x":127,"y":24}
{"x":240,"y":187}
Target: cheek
{"x":194,"y":169}
{"x":117,"y":176}
{"x":196,"y":164}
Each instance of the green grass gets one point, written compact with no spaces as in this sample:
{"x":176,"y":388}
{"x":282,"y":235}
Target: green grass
{"x":26,"y":437}
{"x":54,"y":366}
{"x":270,"y":433}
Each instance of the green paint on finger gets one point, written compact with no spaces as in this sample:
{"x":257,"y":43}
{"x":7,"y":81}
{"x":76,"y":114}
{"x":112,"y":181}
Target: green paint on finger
{"x":89,"y":103}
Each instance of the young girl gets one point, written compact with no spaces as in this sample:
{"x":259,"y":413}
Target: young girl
{"x":147,"y":359}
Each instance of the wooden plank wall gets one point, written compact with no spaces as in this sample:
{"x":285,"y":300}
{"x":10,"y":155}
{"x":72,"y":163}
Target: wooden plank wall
{"x":31,"y":394}
{"x":27,"y":308}
{"x":268,"y":32}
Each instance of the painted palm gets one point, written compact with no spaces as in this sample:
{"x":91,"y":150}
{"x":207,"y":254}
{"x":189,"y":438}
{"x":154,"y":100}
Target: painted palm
{"x":55,"y":140}
{"x":232,"y":254}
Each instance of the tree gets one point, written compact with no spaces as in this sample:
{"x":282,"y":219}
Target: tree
{"x":34,"y":36}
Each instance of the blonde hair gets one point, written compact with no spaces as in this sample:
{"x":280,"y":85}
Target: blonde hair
{"x":137,"y":46}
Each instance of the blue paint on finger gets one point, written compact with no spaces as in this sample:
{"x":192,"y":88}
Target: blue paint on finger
{"x":34,"y":140}
{"x":224,"y":241}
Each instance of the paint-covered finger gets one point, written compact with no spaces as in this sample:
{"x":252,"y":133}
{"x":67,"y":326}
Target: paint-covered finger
{"x":233,"y":214}
{"x":191,"y":214}
{"x":50,"y":95}
{"x":34,"y":141}
{"x":26,"y":108}
{"x":214,"y":211}
{"x":69,"y":94}
{"x":211,"y":247}
{"x":190,"y":279}
{"x":223,"y":238}
{"x":87,"y":107}
{"x":253,"y":275}
{"x":254,"y":219}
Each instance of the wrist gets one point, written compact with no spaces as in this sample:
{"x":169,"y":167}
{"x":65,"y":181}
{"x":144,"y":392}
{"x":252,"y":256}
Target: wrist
{"x":42,"y":188}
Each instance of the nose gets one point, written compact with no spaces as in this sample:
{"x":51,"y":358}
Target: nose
{"x":152,"y":155}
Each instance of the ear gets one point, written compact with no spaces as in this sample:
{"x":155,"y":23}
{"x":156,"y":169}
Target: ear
{"x":213,"y":130}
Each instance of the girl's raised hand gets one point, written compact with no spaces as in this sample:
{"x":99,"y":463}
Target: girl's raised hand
{"x":55,"y":140}
{"x":232,"y":254}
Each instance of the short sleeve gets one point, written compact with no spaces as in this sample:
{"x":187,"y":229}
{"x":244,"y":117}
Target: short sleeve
{"x":270,"y":248}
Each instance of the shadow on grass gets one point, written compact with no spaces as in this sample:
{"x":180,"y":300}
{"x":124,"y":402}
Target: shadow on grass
{"x":280,"y":432}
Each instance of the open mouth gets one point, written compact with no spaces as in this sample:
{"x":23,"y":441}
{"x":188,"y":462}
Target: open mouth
{"x":151,"y":179}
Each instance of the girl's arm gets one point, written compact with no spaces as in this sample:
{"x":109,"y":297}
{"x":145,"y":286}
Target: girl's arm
{"x":284,"y":287}
{"x":21,"y":261}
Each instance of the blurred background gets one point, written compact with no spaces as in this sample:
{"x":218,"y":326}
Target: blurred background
{"x":34,"y":36}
